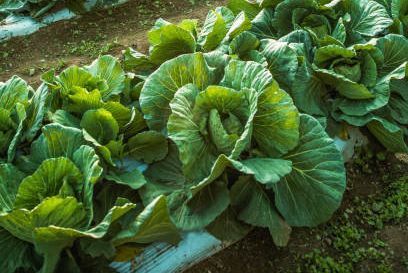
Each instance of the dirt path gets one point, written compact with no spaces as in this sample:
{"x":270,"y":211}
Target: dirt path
{"x":82,"y":40}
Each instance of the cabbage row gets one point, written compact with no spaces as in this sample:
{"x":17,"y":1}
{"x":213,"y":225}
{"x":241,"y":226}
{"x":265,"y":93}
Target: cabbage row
{"x":345,"y":61}
{"x":222,"y":127}
{"x":342,"y":61}
{"x":72,"y":155}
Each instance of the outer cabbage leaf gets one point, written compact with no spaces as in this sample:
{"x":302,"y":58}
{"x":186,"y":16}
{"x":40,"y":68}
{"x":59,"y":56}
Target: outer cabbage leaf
{"x":313,"y":190}
{"x":134,"y":179}
{"x":251,"y":8}
{"x":15,"y":254}
{"x":239,"y":25}
{"x":213,"y":31}
{"x":193,"y":213}
{"x":309,"y":92}
{"x":267,"y":171}
{"x":35,"y":113}
{"x":173,"y":41}
{"x":388,"y":133}
{"x":262,"y":25}
{"x":243,"y":44}
{"x":368,"y":18}
{"x":398,"y":105}
{"x":282,"y":61}
{"x":14,"y":91}
{"x":10,"y":179}
{"x":55,"y":141}
{"x":394,"y":50}
{"x":149,"y":146}
{"x":87,"y":161}
{"x":137,"y":62}
{"x":20,"y":117}
{"x":399,"y":12}
{"x":239,"y":75}
{"x":255,"y":207}
{"x":11,"y":5}
{"x":14,"y":96}
{"x":228,"y":228}
{"x":55,"y":176}
{"x":151,"y":225}
{"x":164,"y":176}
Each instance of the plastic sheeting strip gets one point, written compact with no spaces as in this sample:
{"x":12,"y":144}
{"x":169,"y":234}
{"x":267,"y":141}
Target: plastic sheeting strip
{"x":164,"y":258}
{"x":24,"y":25}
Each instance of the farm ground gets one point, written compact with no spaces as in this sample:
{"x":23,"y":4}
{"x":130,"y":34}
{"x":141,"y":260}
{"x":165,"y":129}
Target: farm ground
{"x":368,"y":234}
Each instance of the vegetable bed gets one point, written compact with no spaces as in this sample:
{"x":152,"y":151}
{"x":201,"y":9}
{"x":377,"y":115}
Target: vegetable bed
{"x":223,"y":126}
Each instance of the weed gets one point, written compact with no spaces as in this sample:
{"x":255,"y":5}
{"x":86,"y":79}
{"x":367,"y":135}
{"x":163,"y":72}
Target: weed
{"x":393,"y":208}
{"x":405,"y":262}
{"x":61,"y":63}
{"x":347,"y":235}
{"x":91,"y":48}
{"x":317,"y":262}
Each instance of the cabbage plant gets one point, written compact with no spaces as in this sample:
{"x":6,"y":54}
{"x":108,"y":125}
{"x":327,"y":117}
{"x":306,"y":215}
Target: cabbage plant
{"x":168,"y":40}
{"x":21,"y":114}
{"x":325,"y":20}
{"x":398,"y":11}
{"x":362,"y":85}
{"x":347,"y":70}
{"x":76,"y":151}
{"x":14,"y":99}
{"x":243,"y":154}
{"x":96,"y":99}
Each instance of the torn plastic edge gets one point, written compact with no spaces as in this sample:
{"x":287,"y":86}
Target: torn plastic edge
{"x":24,"y":25}
{"x":347,"y":147}
{"x":164,"y":258}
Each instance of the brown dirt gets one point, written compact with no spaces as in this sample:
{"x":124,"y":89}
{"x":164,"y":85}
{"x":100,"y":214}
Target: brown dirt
{"x":396,"y":238}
